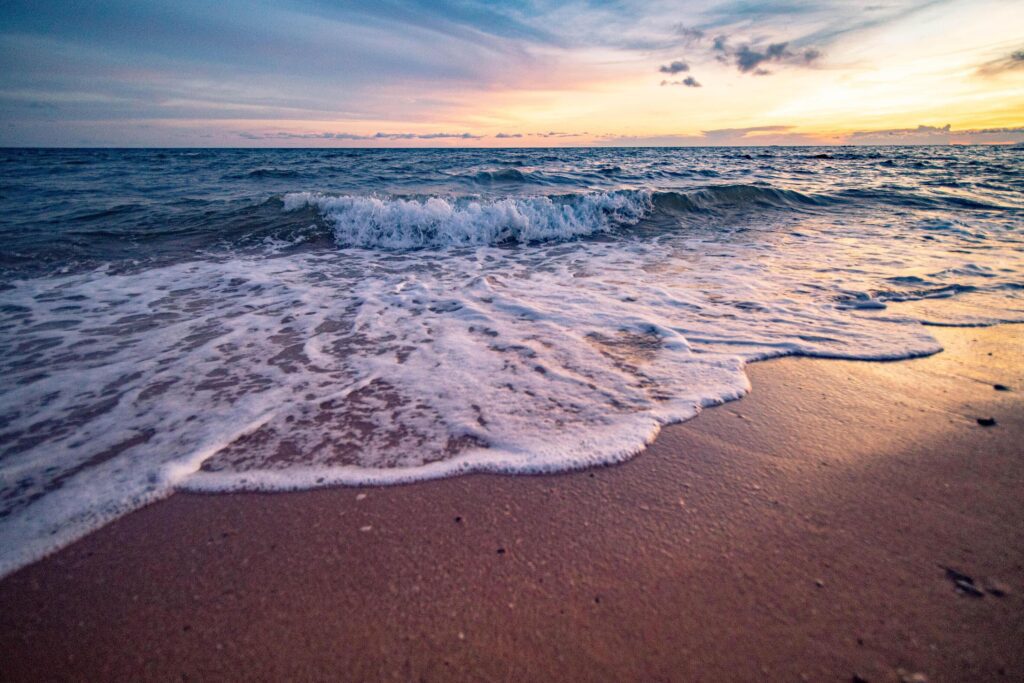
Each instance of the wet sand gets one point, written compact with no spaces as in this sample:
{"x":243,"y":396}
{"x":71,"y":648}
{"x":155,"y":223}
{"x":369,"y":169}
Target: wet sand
{"x":805,"y":531}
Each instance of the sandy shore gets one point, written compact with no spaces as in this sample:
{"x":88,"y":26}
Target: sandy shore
{"x":802,"y":532}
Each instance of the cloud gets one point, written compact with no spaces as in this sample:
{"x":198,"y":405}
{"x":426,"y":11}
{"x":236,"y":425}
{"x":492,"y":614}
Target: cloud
{"x":555,"y":134}
{"x":674,"y":68}
{"x":904,"y":132}
{"x":759,"y":136}
{"x":743,"y":132}
{"x":1011,"y":62}
{"x":405,"y":61}
{"x":688,"y":33}
{"x":689,"y":82}
{"x":109,"y":67}
{"x":426,"y":136}
{"x":749,"y":58}
{"x":937,"y":135}
{"x":285,"y":135}
{"x":752,"y":136}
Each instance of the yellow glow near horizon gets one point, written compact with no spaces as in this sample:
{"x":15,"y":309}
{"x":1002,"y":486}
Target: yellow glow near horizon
{"x":923,"y":71}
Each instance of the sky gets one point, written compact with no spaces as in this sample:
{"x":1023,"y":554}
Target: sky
{"x":389,"y":73}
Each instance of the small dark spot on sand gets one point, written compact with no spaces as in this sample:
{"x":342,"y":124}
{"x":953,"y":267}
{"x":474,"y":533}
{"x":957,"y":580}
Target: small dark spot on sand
{"x":857,"y":678}
{"x":501,"y":551}
{"x":186,"y":628}
{"x":987,"y":421}
{"x":458,"y":520}
{"x":1000,"y":387}
{"x":597,"y":599}
{"x":964,"y":583}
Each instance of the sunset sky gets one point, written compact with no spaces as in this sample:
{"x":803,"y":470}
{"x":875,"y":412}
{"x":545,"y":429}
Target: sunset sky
{"x":468,"y":73}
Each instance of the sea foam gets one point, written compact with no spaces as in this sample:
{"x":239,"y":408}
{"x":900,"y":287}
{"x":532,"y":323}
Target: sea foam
{"x":439,"y":334}
{"x":400,"y":223}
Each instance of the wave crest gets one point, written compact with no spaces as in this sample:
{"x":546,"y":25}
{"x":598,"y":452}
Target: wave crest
{"x":397,"y":223}
{"x":724,"y":197}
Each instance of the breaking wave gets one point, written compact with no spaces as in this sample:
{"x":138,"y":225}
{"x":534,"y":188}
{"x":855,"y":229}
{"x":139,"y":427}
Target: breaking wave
{"x":434,"y":222}
{"x":395,"y":223}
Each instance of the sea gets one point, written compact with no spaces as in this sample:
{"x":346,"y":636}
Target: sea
{"x":225,"y":319}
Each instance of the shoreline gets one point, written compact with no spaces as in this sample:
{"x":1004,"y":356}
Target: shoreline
{"x":803,"y":530}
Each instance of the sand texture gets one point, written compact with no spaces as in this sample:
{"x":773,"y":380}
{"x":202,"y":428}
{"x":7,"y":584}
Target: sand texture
{"x":845,"y":519}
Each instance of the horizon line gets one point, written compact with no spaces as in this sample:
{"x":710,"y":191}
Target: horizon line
{"x":481,"y":147}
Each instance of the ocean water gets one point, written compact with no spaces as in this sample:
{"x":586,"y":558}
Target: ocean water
{"x":220,"y":320}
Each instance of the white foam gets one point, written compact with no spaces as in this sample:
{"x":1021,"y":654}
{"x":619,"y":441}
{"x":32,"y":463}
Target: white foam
{"x":395,"y":223}
{"x":370,"y":367}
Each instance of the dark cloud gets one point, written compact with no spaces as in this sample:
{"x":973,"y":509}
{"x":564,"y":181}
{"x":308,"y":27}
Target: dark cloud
{"x":502,"y":136}
{"x":688,"y":34}
{"x":674,"y":68}
{"x":750,"y":58}
{"x":689,"y":82}
{"x":1013,"y":61}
